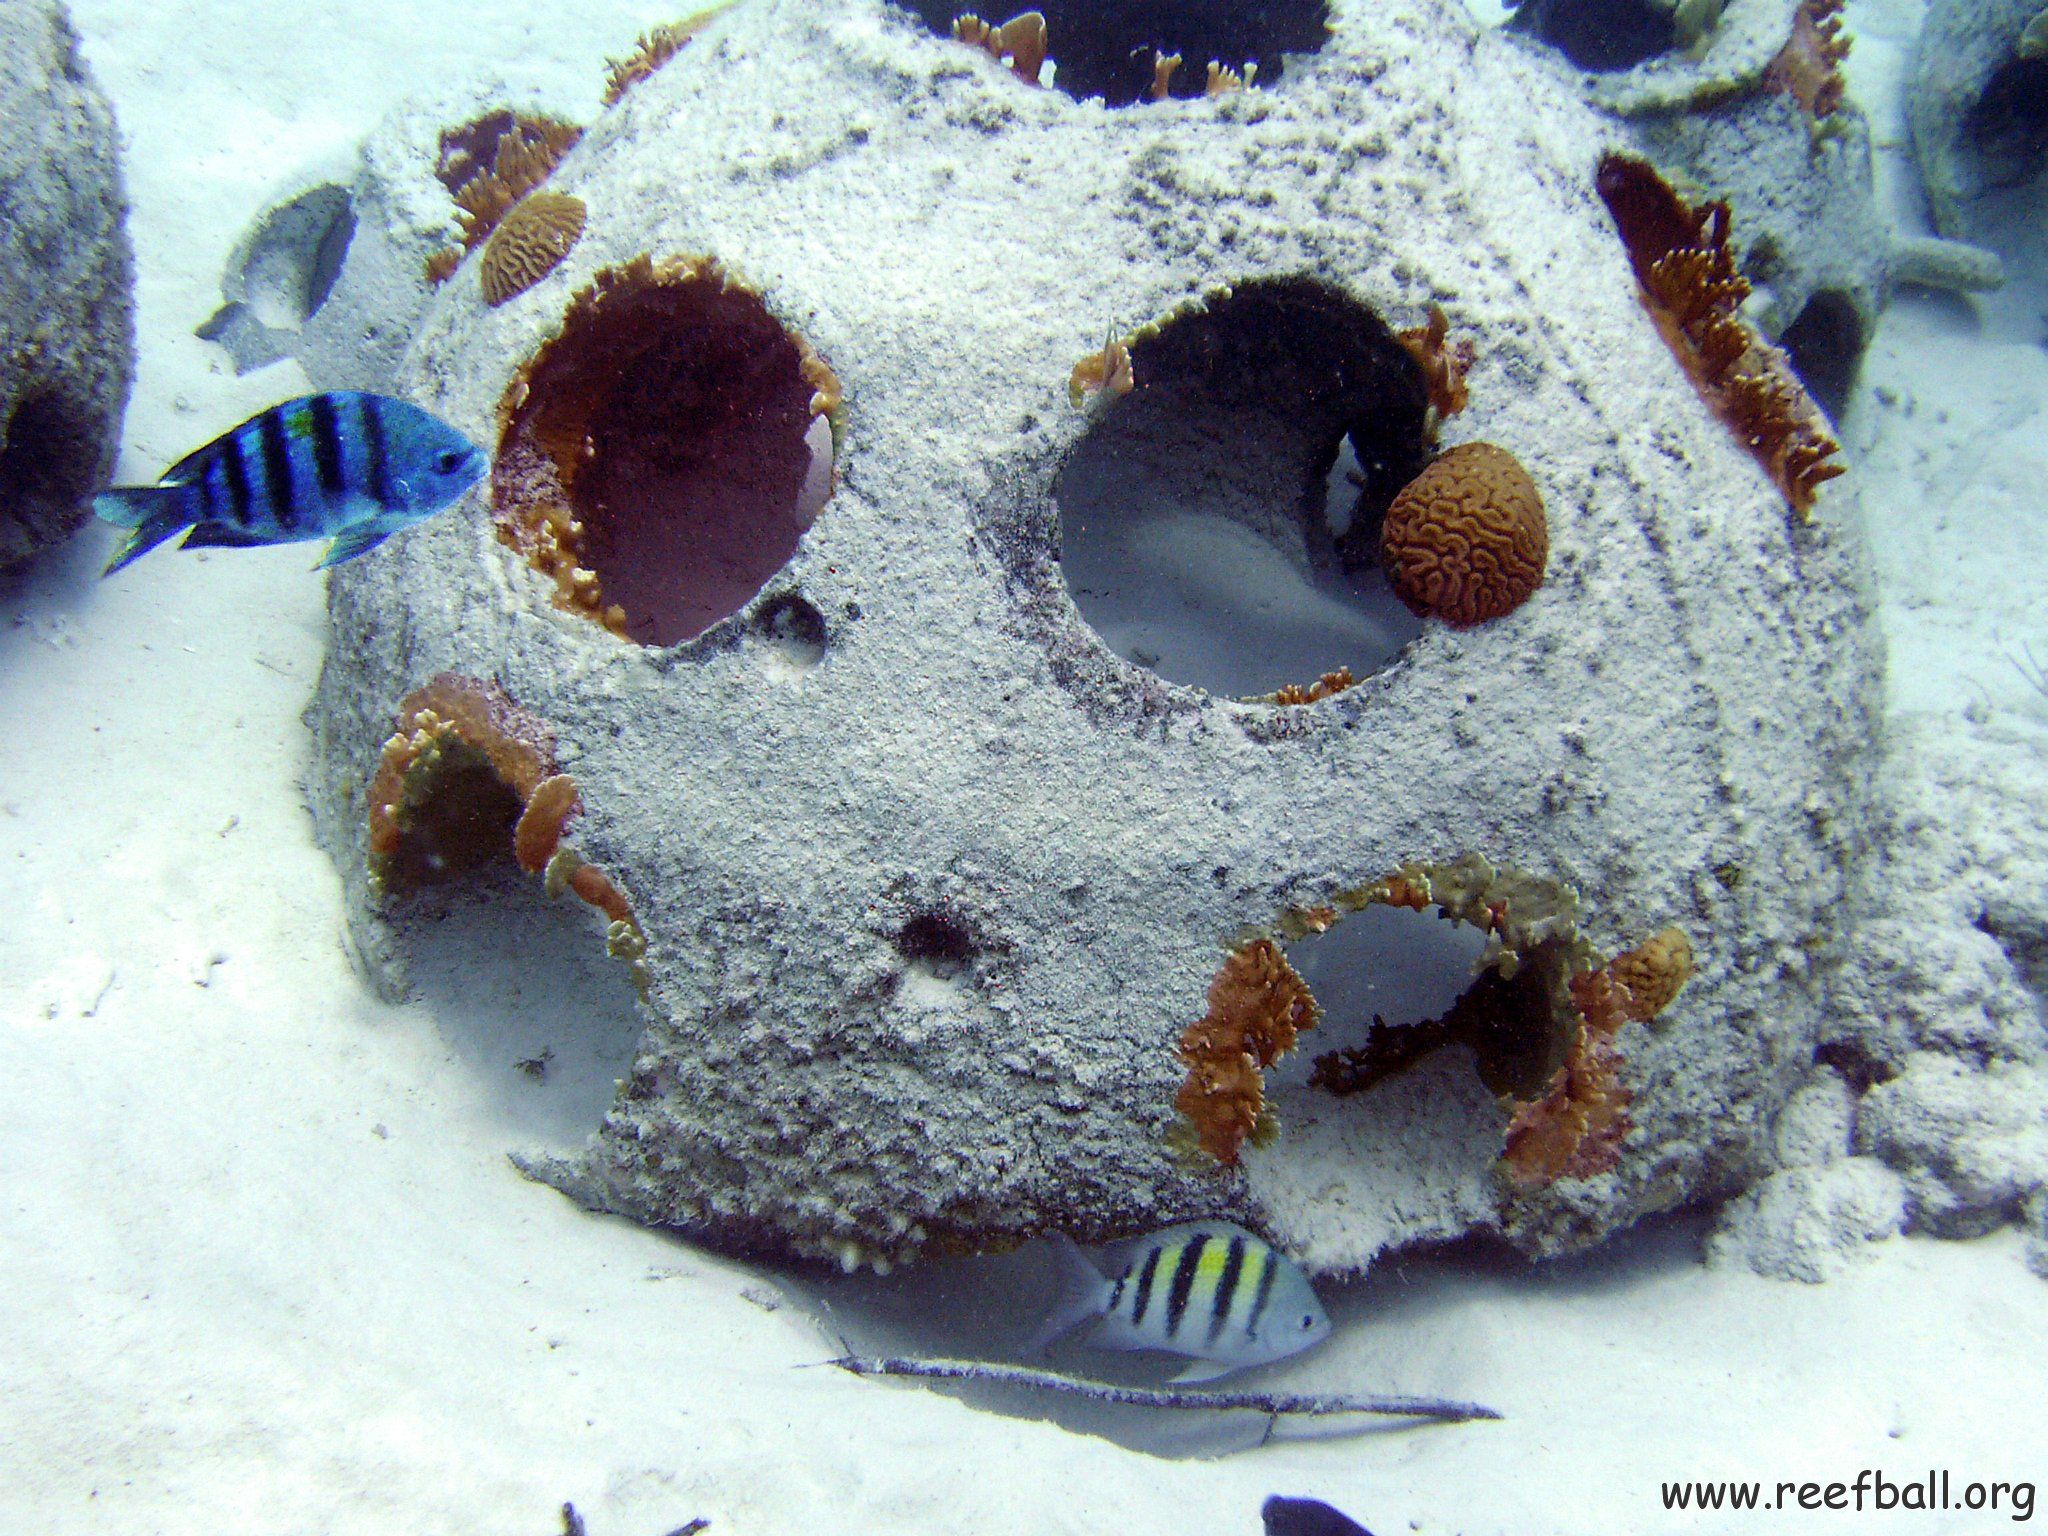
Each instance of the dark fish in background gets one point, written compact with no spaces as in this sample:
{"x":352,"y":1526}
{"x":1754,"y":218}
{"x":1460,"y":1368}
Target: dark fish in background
{"x":1205,"y":1289}
{"x":1307,"y":1517}
{"x":346,"y":466}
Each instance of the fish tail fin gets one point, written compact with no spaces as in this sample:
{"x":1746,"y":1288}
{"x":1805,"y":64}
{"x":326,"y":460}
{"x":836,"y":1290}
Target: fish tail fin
{"x":130,"y":506}
{"x":150,"y":513}
{"x":1082,"y":1294}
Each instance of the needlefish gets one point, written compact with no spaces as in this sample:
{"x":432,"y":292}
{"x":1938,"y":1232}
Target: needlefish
{"x":1208,"y":1290}
{"x":351,"y":467}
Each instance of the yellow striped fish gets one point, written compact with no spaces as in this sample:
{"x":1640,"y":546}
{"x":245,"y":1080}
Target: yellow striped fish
{"x":1205,"y":1289}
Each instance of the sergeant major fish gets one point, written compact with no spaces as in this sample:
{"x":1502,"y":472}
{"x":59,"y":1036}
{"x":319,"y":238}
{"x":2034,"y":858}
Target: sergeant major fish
{"x":1206,"y":1289}
{"x":352,"y":467}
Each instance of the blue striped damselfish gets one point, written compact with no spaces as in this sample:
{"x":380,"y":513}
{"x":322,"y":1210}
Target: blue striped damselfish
{"x":346,"y":466}
{"x":1206,"y":1289}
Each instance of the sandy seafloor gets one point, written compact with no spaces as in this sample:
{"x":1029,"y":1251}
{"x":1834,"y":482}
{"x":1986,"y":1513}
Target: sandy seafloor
{"x":264,"y":1266}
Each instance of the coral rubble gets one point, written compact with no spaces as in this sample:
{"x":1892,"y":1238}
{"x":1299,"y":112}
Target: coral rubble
{"x":529,"y":243}
{"x":1466,"y":540}
{"x":1693,"y":291}
{"x":661,"y":454}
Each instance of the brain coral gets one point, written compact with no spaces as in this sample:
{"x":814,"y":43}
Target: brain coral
{"x":1465,"y":541}
{"x":530,"y":243}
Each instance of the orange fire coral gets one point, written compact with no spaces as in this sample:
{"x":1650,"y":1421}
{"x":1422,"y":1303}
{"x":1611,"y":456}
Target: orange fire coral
{"x":469,"y":773}
{"x":1540,"y":1019}
{"x":1107,"y":372}
{"x":1575,"y":1130}
{"x":549,"y":805}
{"x":1692,"y":290}
{"x":529,"y":243}
{"x":1322,"y":688}
{"x":1021,"y":40}
{"x":1649,"y":976}
{"x":1163,"y":66}
{"x":488,"y":166}
{"x":1466,"y":541}
{"x":654,"y":49}
{"x":1222,"y":79}
{"x":662,"y":454}
{"x":1809,"y":67}
{"x":1258,"y":1003}
{"x":498,"y":740}
{"x":1444,"y":364}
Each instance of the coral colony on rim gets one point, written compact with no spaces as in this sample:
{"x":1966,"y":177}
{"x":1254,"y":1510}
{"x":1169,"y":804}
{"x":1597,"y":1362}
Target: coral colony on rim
{"x":351,"y":467}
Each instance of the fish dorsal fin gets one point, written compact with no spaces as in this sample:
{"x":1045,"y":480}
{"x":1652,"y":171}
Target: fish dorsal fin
{"x":219,"y":536}
{"x":350,"y":544}
{"x":1083,"y":1293}
{"x":193,"y":465}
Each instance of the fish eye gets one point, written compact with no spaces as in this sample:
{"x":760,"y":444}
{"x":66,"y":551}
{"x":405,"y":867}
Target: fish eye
{"x":1307,"y":1321}
{"x":450,"y":461}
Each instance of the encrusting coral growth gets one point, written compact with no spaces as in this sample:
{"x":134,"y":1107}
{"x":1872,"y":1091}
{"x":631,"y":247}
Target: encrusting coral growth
{"x":654,"y":49}
{"x":1322,"y":688}
{"x":1809,"y":67}
{"x":1466,"y":540}
{"x":1693,"y":291}
{"x":1021,"y":40}
{"x":469,"y":773}
{"x":487,"y":167}
{"x":1106,"y":372}
{"x":1222,"y":79}
{"x":1163,"y":66}
{"x":1444,"y":364}
{"x":542,"y":228}
{"x":665,"y":449}
{"x":1258,"y":1003}
{"x":1540,"y":1019}
{"x":1575,"y":1130}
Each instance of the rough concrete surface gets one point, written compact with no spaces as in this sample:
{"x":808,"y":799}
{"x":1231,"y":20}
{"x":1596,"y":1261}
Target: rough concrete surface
{"x":67,"y":325}
{"x":1677,"y":724}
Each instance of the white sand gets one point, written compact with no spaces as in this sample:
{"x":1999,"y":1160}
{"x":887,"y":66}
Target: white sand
{"x":265,"y":1268}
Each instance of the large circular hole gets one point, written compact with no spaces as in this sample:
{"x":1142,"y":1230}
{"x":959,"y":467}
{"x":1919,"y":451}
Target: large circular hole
{"x":662,"y":455}
{"x":1219,"y":524}
{"x":1826,"y":346}
{"x":2009,"y":124}
{"x":1602,"y":35}
{"x":1108,"y":48}
{"x":295,"y":257}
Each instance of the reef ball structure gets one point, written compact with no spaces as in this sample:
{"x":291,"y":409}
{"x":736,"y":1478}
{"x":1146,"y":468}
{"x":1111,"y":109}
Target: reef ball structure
{"x":67,"y":280}
{"x":957,"y":919}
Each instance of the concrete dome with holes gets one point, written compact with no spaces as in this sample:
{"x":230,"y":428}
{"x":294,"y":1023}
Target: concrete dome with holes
{"x":920,"y":720}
